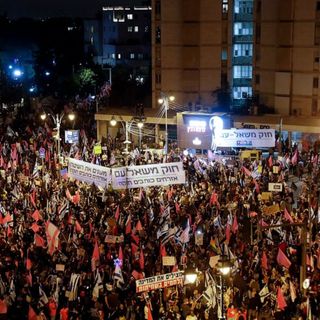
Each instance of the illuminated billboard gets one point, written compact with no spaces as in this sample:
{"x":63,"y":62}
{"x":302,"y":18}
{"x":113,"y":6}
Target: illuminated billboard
{"x":199,"y":130}
{"x":71,"y":136}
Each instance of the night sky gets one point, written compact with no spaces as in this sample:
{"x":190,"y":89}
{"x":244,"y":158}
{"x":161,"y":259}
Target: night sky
{"x":50,"y":8}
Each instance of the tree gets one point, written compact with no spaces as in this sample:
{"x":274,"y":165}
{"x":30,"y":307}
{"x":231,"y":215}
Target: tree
{"x":87,"y":80}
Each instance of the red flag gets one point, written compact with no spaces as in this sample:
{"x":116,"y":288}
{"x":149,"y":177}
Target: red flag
{"x":128,"y":225}
{"x":235,"y":225}
{"x":36,"y":215}
{"x":213,"y":198}
{"x":39,"y":241}
{"x":95,"y":256}
{"x":175,"y":268}
{"x":139,"y":226}
{"x":136,"y":275}
{"x":135,"y":238}
{"x":134,"y":249}
{"x":177,"y":207}
{"x":253,"y":214}
{"x":33,"y":198}
{"x":228,"y":233}
{"x":270,"y":161}
{"x":281,"y":302}
{"x":163,"y":251}
{"x":28,"y":263}
{"x":117,"y":214}
{"x":52,"y":233}
{"x":246,"y":171}
{"x":120,"y":254}
{"x":31,"y":314}
{"x":283,"y":260}
{"x":9,"y":232}
{"x":287,"y":215}
{"x":141,"y":260}
{"x":8,"y":218}
{"x":149,"y":313}
{"x":264,"y":261}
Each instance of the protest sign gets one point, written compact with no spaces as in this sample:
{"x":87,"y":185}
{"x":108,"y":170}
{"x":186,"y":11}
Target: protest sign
{"x":60,"y":267}
{"x":275,"y":187}
{"x":160,"y":281}
{"x":97,"y":149}
{"x":113,"y":239}
{"x":199,"y":239}
{"x":168,"y":260}
{"x":89,"y":173}
{"x":161,"y":174}
{"x":266,"y":196}
{"x":270,"y":210}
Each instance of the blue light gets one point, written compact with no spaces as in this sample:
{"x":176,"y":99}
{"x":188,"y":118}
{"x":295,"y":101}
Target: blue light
{"x":17,"y":73}
{"x":47,"y":73}
{"x":10,"y":66}
{"x":31,"y":89}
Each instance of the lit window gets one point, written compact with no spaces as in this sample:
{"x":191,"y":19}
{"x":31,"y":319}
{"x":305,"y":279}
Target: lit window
{"x":91,"y":40}
{"x":130,"y":16}
{"x":131,"y":55}
{"x":243,"y":28}
{"x":130,"y":29}
{"x":224,"y":6}
{"x":224,"y":54}
{"x":242,"y":92}
{"x":119,"y":56}
{"x":113,"y":56}
{"x":240,"y":72}
{"x":136,"y":29}
{"x":243,"y":50}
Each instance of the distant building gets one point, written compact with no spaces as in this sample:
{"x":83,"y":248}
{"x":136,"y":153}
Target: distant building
{"x":123,"y":38}
{"x":259,"y":51}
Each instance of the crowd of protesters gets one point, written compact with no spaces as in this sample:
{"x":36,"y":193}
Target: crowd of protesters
{"x":56,"y":261}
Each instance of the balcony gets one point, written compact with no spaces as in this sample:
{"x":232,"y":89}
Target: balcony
{"x":240,"y":17}
{"x":243,"y":38}
{"x":242,"y":60}
{"x":242,"y":82}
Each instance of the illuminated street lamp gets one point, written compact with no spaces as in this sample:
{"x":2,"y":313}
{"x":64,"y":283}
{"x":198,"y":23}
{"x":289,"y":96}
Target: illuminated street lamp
{"x":190,"y":275}
{"x":224,"y":266}
{"x":125,"y":126}
{"x":57,"y":119}
{"x":164,"y":100}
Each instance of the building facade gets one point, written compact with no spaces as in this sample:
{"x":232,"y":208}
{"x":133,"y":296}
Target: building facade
{"x":262,"y":52}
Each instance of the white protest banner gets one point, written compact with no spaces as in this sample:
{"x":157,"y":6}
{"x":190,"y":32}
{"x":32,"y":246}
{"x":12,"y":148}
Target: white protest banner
{"x":199,"y":239}
{"x":113,"y":239}
{"x":161,"y":174}
{"x":248,"y":138}
{"x":168,"y":260}
{"x":276,"y":187}
{"x":160,"y":282}
{"x":89,"y":173}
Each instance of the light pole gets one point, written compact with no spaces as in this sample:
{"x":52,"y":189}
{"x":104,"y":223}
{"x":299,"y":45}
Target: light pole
{"x":224,"y":266}
{"x":164,"y":100}
{"x":140,"y":126}
{"x":125,"y":126}
{"x":57,"y":119}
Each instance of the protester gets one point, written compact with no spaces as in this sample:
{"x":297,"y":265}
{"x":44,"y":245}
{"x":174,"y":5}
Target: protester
{"x":57,"y":261}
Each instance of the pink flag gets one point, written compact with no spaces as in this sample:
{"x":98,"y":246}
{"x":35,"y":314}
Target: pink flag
{"x":68,"y":195}
{"x":78,"y":227}
{"x":52,"y":233}
{"x":270,"y":161}
{"x":264,"y":261}
{"x":294,"y":159}
{"x":263,"y":223}
{"x":76,"y":198}
{"x":177,"y":207}
{"x":283,"y":260}
{"x":281,"y":302}
{"x":128,"y":225}
{"x":287,"y":215}
{"x":257,"y":186}
{"x":35,"y":228}
{"x":8,"y":218}
{"x":120,"y":254}
{"x":228,"y":233}
{"x":185,"y":235}
{"x":235,"y":225}
{"x":246,"y":171}
{"x":213,"y":198}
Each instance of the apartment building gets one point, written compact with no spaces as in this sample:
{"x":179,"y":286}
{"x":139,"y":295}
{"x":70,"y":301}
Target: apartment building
{"x":264,"y":52}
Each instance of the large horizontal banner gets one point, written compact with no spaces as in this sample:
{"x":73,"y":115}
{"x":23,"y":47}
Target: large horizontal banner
{"x":161,"y":174}
{"x":246,"y":138}
{"x":89,"y":173}
{"x":160,"y":282}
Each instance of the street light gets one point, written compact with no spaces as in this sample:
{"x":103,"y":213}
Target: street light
{"x":57,"y":119}
{"x":224,"y":266}
{"x":190,"y":275}
{"x":125,"y":126}
{"x":164,"y":100}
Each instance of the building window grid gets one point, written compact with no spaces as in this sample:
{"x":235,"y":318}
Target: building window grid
{"x":243,"y":50}
{"x":243,"y":28}
{"x":242,"y":92}
{"x":243,"y":6}
{"x":242,"y":72}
